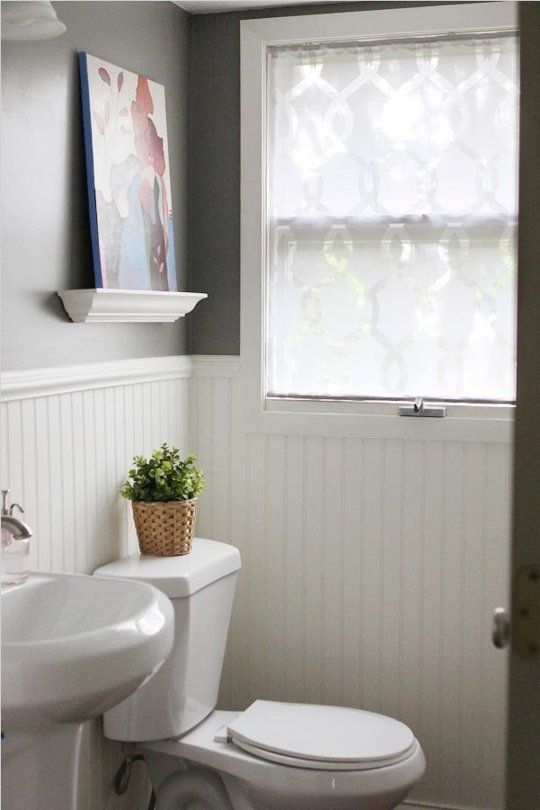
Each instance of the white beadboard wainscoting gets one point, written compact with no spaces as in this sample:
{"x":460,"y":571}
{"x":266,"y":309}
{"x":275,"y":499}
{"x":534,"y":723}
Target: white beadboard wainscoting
{"x":370,"y":572}
{"x":67,"y":438}
{"x":370,"y":566}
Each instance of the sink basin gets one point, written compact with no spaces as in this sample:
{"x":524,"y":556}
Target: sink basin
{"x":73,"y":646}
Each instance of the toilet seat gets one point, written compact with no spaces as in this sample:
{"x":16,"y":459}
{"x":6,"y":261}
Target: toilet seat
{"x":331,"y":738}
{"x":271,"y":784}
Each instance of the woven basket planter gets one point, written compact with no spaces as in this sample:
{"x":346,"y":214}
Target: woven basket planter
{"x":165,"y":529}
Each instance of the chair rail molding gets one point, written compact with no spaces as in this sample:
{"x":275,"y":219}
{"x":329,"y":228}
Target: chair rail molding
{"x":30,"y":383}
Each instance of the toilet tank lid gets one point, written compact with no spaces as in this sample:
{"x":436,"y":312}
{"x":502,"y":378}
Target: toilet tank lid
{"x":180,"y":576}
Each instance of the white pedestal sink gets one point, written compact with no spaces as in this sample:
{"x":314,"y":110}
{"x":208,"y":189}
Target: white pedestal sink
{"x":72,"y":647}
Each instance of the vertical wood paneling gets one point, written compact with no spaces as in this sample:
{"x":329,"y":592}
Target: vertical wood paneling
{"x":181,"y":414}
{"x":370,"y":570}
{"x":275,"y":535}
{"x":140,"y":440}
{"x":157,"y":426}
{"x":411,"y":584}
{"x":332,"y":596}
{"x":39,"y":515}
{"x":370,"y":567}
{"x":110,"y":527}
{"x":204,"y":441}
{"x":102,"y":520}
{"x":294,"y":566}
{"x":312,"y":618}
{"x":235,"y":676}
{"x":120,"y":465}
{"x":147,"y":421}
{"x":78,"y":439}
{"x":90,"y":475}
{"x":29,"y":494}
{"x":130,"y":448}
{"x":258,"y":566}
{"x":373,"y":487}
{"x":4,"y":446}
{"x":496,"y":565}
{"x":67,"y":451}
{"x":352,"y":573}
{"x":454,"y":540}
{"x":391,"y":619}
{"x":471,"y":625}
{"x":220,"y":460}
{"x":56,"y":528}
{"x":64,"y":456}
{"x":431,"y":596}
{"x":15,"y":451}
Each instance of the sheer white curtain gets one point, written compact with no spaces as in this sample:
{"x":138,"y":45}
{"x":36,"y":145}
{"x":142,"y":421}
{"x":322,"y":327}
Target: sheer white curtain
{"x":392,"y":185}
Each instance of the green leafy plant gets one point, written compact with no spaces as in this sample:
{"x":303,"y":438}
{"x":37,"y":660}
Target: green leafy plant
{"x":163,"y":477}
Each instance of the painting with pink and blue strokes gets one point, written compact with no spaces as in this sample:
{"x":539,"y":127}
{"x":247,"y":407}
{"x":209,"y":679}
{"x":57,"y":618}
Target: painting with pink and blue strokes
{"x":129,"y":183}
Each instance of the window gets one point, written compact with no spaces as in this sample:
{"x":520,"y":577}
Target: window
{"x":391,"y":207}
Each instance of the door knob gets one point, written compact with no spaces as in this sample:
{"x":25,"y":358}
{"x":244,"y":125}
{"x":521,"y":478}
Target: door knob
{"x":500,"y":632}
{"x":525,"y":616}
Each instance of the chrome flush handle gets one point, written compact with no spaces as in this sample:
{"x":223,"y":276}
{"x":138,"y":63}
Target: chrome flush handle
{"x":5,"y":501}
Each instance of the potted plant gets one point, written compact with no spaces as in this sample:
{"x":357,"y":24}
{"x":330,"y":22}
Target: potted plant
{"x":163,"y":490}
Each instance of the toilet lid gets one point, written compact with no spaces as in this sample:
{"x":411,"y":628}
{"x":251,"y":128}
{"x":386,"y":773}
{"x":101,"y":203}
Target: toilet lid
{"x":321,"y":737}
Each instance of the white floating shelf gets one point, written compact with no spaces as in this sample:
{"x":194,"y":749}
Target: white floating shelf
{"x":127,"y":306}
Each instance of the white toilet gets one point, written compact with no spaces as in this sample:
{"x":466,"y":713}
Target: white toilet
{"x":273,"y":755}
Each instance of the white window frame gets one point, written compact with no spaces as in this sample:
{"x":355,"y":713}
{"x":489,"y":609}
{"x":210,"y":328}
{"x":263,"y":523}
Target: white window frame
{"x":369,"y":419}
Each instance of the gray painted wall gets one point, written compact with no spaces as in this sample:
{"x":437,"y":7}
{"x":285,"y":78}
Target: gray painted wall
{"x":45,"y":231}
{"x":215,"y":169}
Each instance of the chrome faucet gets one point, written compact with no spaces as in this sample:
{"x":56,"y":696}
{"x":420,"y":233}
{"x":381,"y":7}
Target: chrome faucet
{"x":14,"y":525}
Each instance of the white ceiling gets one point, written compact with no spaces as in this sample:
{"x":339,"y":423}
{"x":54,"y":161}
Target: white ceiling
{"x":214,"y":6}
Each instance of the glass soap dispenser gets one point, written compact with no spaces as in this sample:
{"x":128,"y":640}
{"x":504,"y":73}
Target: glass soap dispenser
{"x":15,"y":543}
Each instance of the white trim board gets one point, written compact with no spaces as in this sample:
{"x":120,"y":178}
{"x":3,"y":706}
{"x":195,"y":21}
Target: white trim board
{"x":30,"y":383}
{"x":35,"y":382}
{"x":216,"y":365}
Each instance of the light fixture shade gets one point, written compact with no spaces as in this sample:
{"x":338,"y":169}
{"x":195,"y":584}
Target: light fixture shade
{"x":30,"y":21}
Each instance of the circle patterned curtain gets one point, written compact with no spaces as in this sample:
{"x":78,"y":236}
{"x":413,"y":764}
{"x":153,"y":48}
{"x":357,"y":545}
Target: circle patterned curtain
{"x":392,"y":209}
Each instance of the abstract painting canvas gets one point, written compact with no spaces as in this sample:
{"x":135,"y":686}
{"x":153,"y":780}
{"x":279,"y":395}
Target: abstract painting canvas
{"x":129,"y":184}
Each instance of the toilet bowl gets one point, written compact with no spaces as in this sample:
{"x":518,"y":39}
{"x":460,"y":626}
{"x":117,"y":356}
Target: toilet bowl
{"x":272,"y":755}
{"x":252,"y":782}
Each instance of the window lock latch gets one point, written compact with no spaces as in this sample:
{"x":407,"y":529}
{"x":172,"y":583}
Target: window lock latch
{"x":419,"y":408}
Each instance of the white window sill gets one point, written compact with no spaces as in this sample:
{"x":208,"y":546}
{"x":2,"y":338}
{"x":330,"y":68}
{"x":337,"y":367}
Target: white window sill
{"x":379,"y":420}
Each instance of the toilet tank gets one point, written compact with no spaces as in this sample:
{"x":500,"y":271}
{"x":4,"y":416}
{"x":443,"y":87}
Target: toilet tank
{"x":184,"y":690}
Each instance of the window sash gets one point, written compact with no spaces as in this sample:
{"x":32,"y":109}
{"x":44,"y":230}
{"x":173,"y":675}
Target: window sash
{"x":312,"y":227}
{"x":253,"y":409}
